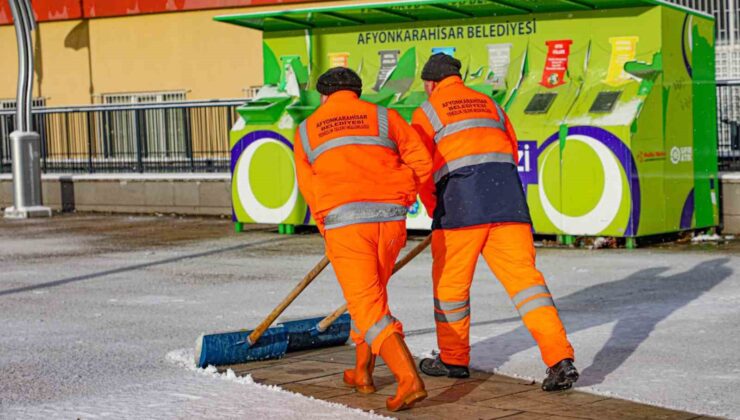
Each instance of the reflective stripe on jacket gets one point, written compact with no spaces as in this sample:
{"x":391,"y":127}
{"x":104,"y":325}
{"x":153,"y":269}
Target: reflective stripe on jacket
{"x":475,"y":156}
{"x":357,"y":162}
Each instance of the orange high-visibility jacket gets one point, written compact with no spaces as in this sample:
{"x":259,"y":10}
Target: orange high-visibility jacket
{"x":475,"y":154}
{"x":357,"y":162}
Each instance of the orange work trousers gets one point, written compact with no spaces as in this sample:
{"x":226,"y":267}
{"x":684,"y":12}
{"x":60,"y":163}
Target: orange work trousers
{"x":363,"y":256}
{"x":508,"y":249}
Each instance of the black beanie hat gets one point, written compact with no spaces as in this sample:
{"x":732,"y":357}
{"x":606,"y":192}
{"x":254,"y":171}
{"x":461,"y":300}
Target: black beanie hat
{"x":339,"y":78}
{"x":441,"y":66}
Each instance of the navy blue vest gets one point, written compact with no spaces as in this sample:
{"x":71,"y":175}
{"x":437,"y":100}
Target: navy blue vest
{"x":479,"y":194}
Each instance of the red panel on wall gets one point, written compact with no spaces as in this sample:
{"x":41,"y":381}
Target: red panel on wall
{"x":45,"y":10}
{"x":5,"y":16}
{"x":104,"y":8}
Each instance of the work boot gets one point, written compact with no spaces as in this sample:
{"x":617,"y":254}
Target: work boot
{"x":399,"y":360}
{"x":436,"y":367}
{"x":560,"y":376}
{"x":361,"y":377}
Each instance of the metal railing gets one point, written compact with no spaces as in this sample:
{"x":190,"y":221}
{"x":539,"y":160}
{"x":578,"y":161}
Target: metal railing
{"x":726,"y":13}
{"x":194,"y":136}
{"x":727,"y":31}
{"x":188,"y":136}
{"x":728,"y":124}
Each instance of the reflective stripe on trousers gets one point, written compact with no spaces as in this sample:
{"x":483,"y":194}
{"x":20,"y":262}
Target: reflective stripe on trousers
{"x":364,"y":212}
{"x":380,"y":140}
{"x":532,"y":298}
{"x":451,"y":311}
{"x":377,"y":328}
{"x":508,"y":250}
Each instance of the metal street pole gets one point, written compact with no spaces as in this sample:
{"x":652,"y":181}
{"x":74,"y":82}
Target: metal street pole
{"x":25,"y":143}
{"x":732,"y":24}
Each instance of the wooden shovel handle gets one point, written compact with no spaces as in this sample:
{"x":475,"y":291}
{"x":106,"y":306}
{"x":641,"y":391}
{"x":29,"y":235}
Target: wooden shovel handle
{"x":326,"y":322}
{"x":412,"y":254}
{"x":261,"y":328}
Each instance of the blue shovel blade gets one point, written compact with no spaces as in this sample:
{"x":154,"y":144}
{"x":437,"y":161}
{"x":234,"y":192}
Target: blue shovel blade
{"x":229,"y":348}
{"x":302,"y":334}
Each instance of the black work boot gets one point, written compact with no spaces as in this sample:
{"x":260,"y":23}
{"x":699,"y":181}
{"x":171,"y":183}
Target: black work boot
{"x":436,"y":367}
{"x":560,"y":376}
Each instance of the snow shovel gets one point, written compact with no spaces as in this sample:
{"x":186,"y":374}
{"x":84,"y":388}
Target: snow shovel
{"x":245,"y":346}
{"x":262,"y":343}
{"x":333,"y":330}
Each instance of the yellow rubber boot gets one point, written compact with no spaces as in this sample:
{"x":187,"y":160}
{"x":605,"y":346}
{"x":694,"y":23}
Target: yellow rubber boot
{"x":361,"y":377}
{"x":399,"y":360}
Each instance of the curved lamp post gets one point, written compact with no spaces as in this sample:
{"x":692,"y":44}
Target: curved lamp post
{"x":25,"y":143}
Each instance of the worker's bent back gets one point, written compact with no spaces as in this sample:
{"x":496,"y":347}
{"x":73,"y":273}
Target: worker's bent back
{"x":357,"y":154}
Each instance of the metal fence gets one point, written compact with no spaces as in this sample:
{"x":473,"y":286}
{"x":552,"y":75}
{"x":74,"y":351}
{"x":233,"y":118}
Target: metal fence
{"x":726,"y":13}
{"x":194,"y":136}
{"x":160,"y":137}
{"x":728,"y":124}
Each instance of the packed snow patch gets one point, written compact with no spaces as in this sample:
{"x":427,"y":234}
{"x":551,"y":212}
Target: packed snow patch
{"x":706,"y":238}
{"x":185,"y":358}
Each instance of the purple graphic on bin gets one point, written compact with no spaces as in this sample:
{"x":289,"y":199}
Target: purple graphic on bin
{"x":244,"y":143}
{"x":687,"y":212}
{"x":529,"y":156}
{"x":686,"y":49}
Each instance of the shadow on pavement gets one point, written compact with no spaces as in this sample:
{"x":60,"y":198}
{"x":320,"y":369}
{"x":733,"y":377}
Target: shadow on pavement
{"x":135,"y":267}
{"x":637,"y":303}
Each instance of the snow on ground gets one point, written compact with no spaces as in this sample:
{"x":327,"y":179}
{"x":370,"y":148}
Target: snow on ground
{"x":190,"y":393}
{"x":707,"y":238}
{"x":649,"y":326}
{"x":90,"y":328}
{"x":95,"y":313}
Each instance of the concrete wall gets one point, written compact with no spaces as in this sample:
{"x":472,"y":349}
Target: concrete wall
{"x":62,"y":72}
{"x":731,"y":202}
{"x":175,"y":51}
{"x":209,"y":194}
{"x":78,"y":60}
{"x":51,"y":191}
{"x":197,"y":194}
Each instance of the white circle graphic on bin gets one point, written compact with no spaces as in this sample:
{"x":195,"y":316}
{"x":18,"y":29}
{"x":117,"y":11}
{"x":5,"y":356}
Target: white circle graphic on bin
{"x":675,"y":155}
{"x":248,"y":200}
{"x":603,"y":214}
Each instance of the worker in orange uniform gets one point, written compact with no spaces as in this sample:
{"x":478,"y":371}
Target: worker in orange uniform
{"x":478,"y":207}
{"x":359,"y":166}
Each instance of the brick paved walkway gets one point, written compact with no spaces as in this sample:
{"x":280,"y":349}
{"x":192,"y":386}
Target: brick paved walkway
{"x":318,"y":373}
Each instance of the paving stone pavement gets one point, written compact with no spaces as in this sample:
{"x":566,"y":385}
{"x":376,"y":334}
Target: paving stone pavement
{"x":318,"y":373}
